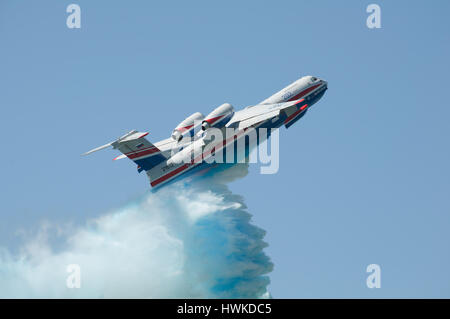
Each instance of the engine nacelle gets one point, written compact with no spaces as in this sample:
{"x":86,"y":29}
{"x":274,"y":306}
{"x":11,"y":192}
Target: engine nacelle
{"x":219,"y":117}
{"x":187,"y":126}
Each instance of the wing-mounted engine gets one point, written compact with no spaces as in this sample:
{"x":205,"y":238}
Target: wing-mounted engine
{"x":187,"y":127}
{"x":219,"y":117}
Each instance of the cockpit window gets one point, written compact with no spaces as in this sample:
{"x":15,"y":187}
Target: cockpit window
{"x":314,"y":79}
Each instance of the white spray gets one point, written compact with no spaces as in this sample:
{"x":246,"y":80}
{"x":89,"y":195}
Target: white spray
{"x":190,"y":239}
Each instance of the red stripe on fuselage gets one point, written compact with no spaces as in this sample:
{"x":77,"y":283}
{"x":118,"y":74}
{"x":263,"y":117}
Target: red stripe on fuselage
{"x":196,"y":161}
{"x":167,"y":176}
{"x":304,"y":92}
{"x":146,"y":148}
{"x":143,"y":153}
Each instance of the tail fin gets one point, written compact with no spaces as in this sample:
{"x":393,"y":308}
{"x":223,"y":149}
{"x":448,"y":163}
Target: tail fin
{"x":134,"y":146}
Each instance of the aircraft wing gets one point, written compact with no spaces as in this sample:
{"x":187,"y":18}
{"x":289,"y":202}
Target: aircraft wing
{"x":263,"y":112}
{"x":256,"y":119}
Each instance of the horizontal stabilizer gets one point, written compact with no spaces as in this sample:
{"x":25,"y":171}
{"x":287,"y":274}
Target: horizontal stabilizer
{"x":138,"y":149}
{"x":119,"y":157}
{"x":132,"y":135}
{"x":97,"y":149}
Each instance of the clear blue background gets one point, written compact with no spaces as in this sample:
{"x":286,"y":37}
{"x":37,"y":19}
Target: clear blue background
{"x":364,"y":177}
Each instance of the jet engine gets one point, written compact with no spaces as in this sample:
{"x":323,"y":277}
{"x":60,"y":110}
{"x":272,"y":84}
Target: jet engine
{"x":187,"y":126}
{"x":219,"y":117}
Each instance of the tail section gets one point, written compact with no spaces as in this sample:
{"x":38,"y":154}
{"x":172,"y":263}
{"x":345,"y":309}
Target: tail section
{"x":137,"y":148}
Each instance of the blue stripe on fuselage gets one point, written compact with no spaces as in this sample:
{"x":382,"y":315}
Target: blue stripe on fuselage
{"x":147,"y":163}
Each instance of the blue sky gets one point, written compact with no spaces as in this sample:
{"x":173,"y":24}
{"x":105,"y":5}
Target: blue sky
{"x":364,"y":176}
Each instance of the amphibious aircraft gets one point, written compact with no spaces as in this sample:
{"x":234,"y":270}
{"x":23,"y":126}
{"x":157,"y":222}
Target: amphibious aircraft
{"x":195,"y":140}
